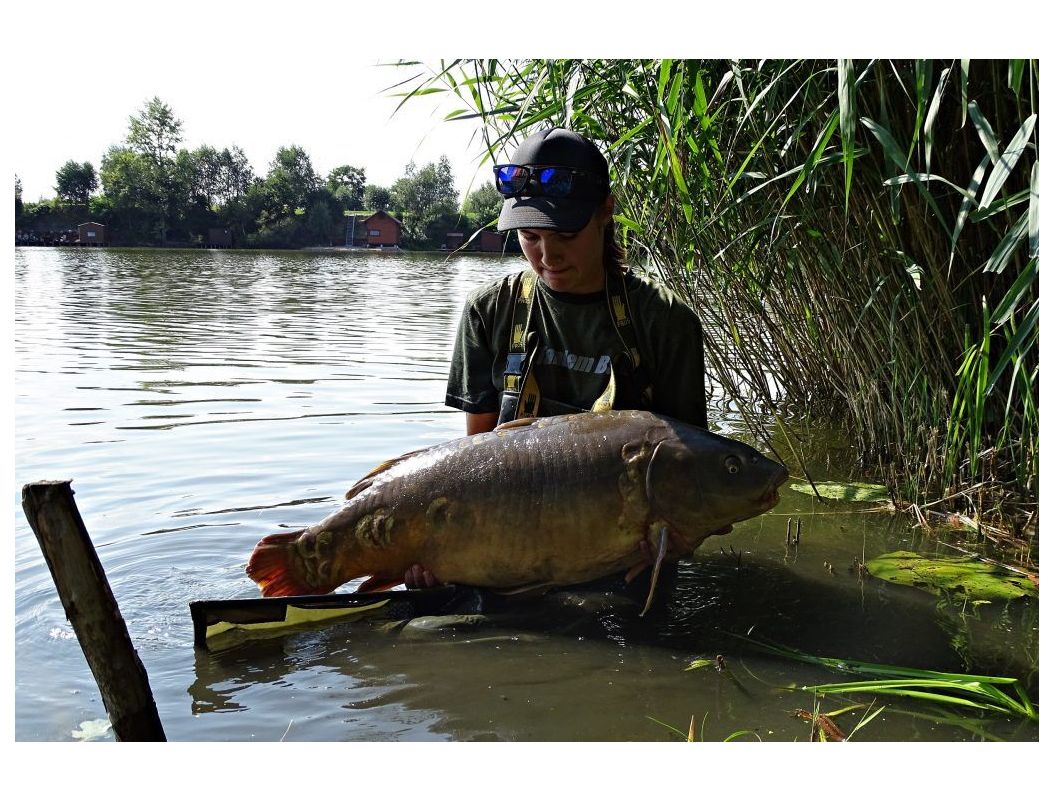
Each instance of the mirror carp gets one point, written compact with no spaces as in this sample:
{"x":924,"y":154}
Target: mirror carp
{"x":547,"y":501}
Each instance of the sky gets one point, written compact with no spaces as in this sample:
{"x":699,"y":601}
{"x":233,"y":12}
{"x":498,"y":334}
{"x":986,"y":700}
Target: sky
{"x":238,"y":91}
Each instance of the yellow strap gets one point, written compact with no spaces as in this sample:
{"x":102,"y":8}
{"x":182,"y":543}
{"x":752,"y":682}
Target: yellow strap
{"x":606,"y":401}
{"x":521,"y":322}
{"x":530,"y":397}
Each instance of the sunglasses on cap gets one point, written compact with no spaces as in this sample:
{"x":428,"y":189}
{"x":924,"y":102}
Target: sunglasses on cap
{"x":515,"y":180}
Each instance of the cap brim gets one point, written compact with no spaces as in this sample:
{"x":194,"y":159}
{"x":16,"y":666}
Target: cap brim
{"x":545,"y":213}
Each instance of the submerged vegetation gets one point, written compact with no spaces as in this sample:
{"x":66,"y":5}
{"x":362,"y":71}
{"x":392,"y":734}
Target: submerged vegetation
{"x":860,"y":238}
{"x":977,"y":692}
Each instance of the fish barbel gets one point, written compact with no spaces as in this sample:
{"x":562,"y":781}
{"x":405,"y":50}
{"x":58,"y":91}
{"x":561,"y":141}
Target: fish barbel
{"x":549,"y":501}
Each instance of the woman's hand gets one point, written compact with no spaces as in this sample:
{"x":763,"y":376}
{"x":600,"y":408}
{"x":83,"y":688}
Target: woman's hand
{"x":417,"y":577}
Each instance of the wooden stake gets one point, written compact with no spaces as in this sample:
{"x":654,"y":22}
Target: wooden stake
{"x":92,"y":611}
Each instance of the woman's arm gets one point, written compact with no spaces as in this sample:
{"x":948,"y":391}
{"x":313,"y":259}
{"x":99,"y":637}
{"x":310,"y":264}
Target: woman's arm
{"x":480,"y":423}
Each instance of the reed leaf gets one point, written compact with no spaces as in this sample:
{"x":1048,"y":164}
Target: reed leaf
{"x":825,"y":283}
{"x":1007,"y":161}
{"x":1033,"y":212}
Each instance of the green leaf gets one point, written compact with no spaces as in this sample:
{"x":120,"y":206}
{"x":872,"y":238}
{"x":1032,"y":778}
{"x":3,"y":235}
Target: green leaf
{"x":1007,"y":160}
{"x":984,"y":130}
{"x":814,"y":156}
{"x":699,"y":104}
{"x":1033,"y":212}
{"x":964,"y":209}
{"x":1000,"y":205}
{"x":892,"y":149}
{"x":965,"y":575}
{"x":964,"y":82}
{"x":931,"y":115}
{"x":626,"y":222}
{"x":922,"y":176}
{"x":1015,"y":294}
{"x":1007,"y":246}
{"x":847,"y":119}
{"x":852,"y":492}
{"x":1016,"y":72}
{"x":1017,"y":345}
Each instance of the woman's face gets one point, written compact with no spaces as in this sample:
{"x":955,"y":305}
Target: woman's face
{"x":569,"y":262}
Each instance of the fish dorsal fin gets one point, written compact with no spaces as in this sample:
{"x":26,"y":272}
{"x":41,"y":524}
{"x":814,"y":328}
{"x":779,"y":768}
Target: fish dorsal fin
{"x":516,"y":423}
{"x":366,"y":481}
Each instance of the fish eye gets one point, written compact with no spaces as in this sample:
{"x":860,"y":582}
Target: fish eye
{"x":732,"y":464}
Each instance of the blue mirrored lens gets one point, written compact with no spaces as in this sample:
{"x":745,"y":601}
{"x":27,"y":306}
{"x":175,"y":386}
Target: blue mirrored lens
{"x":556,"y":182}
{"x":511,"y":179}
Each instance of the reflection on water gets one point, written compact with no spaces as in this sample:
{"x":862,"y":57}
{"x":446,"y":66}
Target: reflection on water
{"x":201,"y":400}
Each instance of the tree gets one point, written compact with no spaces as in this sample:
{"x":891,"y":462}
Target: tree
{"x":319,"y":222}
{"x":154,"y":134}
{"x":290,"y":182}
{"x":75,"y":182}
{"x":376,"y":198}
{"x":235,"y":174}
{"x":483,"y":205}
{"x":426,"y":201}
{"x":127,"y":183}
{"x":203,"y":169}
{"x":347,"y":185}
{"x":18,"y":197}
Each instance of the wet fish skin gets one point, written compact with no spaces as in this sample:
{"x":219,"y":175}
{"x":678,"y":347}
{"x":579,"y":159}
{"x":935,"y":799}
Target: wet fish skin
{"x":555,"y":501}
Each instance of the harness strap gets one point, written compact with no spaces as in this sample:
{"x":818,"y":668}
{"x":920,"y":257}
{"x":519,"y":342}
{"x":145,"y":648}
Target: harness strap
{"x":618,"y":308}
{"x":519,"y":375}
{"x":520,"y":380}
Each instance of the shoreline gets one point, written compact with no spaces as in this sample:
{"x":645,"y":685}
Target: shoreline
{"x":311,"y":249}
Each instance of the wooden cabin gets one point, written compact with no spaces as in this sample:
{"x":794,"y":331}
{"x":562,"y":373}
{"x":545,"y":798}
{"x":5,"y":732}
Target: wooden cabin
{"x":491,"y":242}
{"x":91,"y":233}
{"x":219,"y":237}
{"x":372,"y":229}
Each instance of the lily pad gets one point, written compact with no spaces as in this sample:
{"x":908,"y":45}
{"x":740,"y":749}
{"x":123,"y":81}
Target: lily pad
{"x":976,"y":579}
{"x":92,"y":729}
{"x":853,"y":492}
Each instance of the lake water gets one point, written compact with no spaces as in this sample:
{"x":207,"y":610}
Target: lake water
{"x":200,"y":400}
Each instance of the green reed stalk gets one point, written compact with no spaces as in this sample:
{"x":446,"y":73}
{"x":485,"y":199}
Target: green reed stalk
{"x":860,"y":238}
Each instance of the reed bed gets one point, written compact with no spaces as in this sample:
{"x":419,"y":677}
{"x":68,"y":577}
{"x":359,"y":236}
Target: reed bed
{"x":860,"y":239}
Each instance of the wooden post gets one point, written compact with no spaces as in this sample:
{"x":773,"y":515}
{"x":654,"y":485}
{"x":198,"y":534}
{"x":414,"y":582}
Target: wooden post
{"x":92,"y":611}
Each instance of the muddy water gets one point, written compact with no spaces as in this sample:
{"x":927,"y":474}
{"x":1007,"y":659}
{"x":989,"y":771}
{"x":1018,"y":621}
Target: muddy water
{"x":201,"y":400}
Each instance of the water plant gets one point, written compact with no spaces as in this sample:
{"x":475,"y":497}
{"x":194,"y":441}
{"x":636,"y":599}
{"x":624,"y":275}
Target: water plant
{"x":860,"y":239}
{"x":979,"y":692}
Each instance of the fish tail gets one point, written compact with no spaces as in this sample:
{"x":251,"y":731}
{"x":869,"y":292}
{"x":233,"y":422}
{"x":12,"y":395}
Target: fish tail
{"x":280,"y":566}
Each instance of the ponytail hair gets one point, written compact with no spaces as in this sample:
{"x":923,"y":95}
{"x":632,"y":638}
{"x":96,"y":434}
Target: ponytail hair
{"x":614,"y":255}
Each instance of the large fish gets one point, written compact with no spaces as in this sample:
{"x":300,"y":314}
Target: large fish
{"x":556,"y":500}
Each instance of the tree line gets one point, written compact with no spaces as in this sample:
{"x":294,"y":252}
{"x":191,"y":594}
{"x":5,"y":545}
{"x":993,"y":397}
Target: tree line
{"x":150,"y":191}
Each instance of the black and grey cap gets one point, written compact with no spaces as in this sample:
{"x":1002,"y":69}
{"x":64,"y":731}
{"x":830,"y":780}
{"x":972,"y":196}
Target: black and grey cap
{"x":555,"y":147}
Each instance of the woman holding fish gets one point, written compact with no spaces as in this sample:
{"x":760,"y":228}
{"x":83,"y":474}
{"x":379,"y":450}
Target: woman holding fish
{"x":575,"y":332}
{"x":567,"y":498}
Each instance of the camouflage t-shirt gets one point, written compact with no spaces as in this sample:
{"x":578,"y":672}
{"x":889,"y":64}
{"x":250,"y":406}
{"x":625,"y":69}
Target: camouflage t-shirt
{"x":578,"y":342}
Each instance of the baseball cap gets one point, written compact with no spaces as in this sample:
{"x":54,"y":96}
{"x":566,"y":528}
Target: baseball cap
{"x":555,"y":147}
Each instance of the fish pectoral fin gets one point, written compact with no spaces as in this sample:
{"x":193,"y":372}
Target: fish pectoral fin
{"x":516,"y":423}
{"x":378,"y":583}
{"x":529,"y":587}
{"x":664,"y":538}
{"x":634,"y":571}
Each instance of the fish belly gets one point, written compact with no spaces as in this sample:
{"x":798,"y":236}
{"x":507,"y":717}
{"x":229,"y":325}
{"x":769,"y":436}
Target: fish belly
{"x":539,"y":504}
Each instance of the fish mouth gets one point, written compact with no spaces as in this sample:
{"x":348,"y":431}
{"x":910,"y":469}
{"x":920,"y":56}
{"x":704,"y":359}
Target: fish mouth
{"x":770,"y":498}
